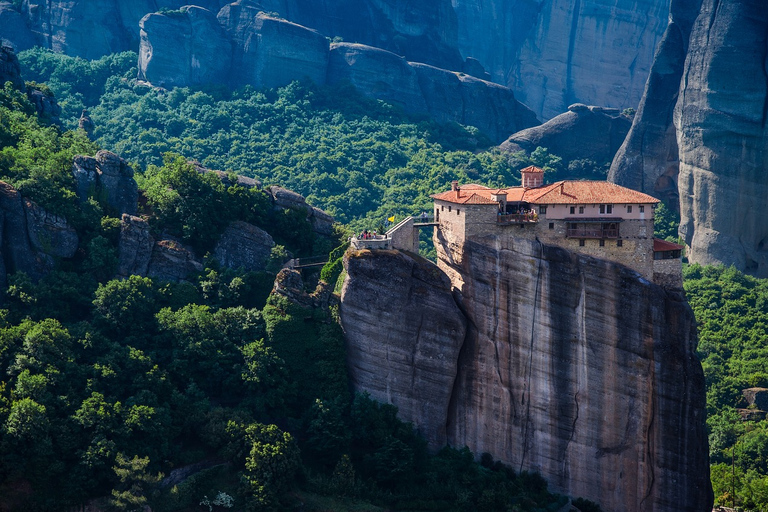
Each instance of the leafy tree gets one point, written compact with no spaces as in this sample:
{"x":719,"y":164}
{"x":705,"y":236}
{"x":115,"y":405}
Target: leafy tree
{"x":134,"y":483}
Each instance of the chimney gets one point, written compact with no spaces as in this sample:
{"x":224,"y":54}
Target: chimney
{"x":455,"y":187}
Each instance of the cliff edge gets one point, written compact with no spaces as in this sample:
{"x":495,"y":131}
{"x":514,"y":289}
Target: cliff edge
{"x":571,"y":366}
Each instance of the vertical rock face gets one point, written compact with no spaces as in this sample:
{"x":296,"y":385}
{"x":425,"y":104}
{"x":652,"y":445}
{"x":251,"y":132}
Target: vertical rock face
{"x":186,"y":47}
{"x":403,"y":332}
{"x":700,"y":131}
{"x":245,"y":246}
{"x":110,"y":175}
{"x":720,"y":119}
{"x":648,"y":158}
{"x":553,"y":53}
{"x":571,"y":366}
{"x":576,"y":368}
{"x":10,"y":71}
{"x":271,"y":52}
{"x":377,"y":73}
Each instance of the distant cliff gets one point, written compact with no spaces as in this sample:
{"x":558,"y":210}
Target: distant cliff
{"x":700,"y":132}
{"x":550,"y":52}
{"x":245,"y":46}
{"x":550,"y":361}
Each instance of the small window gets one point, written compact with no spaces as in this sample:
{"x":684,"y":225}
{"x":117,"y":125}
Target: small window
{"x":602,"y":208}
{"x":642,"y":208}
{"x":581,"y":242}
{"x":458,"y":211}
{"x":609,"y":208}
{"x":551,"y":225}
{"x":442,"y":207}
{"x":602,"y":243}
{"x":449,"y":209}
{"x":581,"y":209}
{"x":619,"y":243}
{"x":629,"y":208}
{"x":573,"y":210}
{"x":542,"y":209}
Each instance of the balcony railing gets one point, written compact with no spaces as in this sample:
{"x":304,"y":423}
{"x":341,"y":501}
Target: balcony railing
{"x":590,"y":232}
{"x":517,"y":218}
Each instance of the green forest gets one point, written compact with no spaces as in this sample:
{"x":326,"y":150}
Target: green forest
{"x":214,"y":393}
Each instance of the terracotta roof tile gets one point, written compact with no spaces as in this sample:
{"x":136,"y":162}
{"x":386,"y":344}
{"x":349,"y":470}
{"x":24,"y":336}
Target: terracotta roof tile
{"x":532,"y":168}
{"x":562,"y":192}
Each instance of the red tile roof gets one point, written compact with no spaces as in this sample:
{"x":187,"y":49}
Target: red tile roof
{"x":660,"y":245}
{"x":562,"y":192}
{"x":532,"y":168}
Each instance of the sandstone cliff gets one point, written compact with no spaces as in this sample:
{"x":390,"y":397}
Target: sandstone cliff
{"x":592,"y":133}
{"x":245,"y":46}
{"x":700,"y":131}
{"x":571,"y":366}
{"x":553,"y":53}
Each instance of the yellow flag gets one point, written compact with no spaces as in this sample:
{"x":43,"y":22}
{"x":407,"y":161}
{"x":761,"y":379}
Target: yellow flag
{"x":391,"y":219}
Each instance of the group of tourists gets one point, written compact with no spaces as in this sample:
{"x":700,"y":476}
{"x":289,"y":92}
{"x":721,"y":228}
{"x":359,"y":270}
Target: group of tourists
{"x":367,"y":235}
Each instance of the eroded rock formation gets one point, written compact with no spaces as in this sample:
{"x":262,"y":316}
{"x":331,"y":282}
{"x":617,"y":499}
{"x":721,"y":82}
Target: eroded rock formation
{"x":405,"y":349}
{"x":244,"y":246}
{"x":246,"y":46}
{"x":584,"y":132}
{"x":109,"y":175}
{"x":700,"y":131}
{"x":553,"y":53}
{"x":571,"y":366}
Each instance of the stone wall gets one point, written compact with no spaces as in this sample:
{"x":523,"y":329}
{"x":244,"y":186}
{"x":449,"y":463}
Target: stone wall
{"x":668,"y":273}
{"x":404,"y":236}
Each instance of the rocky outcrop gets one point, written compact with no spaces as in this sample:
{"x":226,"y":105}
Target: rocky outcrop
{"x":244,"y":246}
{"x":553,"y":53}
{"x":571,"y":366}
{"x":272,"y":52}
{"x":403,"y":347}
{"x":648,"y":158}
{"x":49,"y":233}
{"x":15,"y":32}
{"x":282,"y":198}
{"x":134,"y":247}
{"x":720,"y":120}
{"x":172,"y":261}
{"x":30,"y":237}
{"x":109,"y":176}
{"x":584,"y":132}
{"x":468,"y":100}
{"x":710,"y":74}
{"x":185,"y":47}
{"x":10,"y":70}
{"x":376,"y":73}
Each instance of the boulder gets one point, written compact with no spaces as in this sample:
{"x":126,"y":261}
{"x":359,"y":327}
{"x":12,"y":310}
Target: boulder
{"x":172,"y":261}
{"x":185,"y":47}
{"x":473,"y":68}
{"x":581,"y":133}
{"x":45,"y":104}
{"x":757,"y":397}
{"x":48,"y":233}
{"x":244,"y":246}
{"x":85,"y":123}
{"x":282,"y":198}
{"x":377,"y":74}
{"x":135,"y":247}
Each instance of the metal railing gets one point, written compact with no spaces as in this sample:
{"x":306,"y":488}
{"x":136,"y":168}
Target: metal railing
{"x":516,"y":218}
{"x":377,"y":242}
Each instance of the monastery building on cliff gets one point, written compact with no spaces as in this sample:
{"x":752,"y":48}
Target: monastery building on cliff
{"x":596,"y":218}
